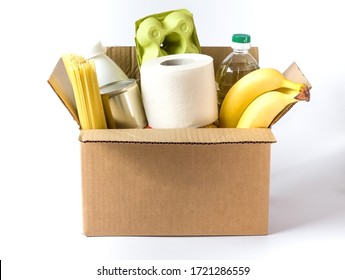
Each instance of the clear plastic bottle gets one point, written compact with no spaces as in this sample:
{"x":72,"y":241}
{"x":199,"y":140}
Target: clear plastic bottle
{"x":236,"y":65}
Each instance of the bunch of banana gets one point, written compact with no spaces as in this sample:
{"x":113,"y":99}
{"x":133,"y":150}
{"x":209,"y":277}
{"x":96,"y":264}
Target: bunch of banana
{"x":260,"y":98}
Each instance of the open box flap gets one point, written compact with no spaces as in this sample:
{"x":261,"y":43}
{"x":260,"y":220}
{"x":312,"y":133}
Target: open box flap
{"x":61,"y":84}
{"x":294,"y":73}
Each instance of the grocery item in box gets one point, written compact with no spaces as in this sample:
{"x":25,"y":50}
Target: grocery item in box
{"x":165,"y":33}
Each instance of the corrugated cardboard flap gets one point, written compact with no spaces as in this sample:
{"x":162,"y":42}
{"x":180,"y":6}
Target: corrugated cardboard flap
{"x":294,"y":73}
{"x":202,"y":136}
{"x":61,"y":85}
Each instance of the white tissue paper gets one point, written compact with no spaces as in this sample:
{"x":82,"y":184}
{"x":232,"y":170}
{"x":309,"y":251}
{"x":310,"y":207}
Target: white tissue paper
{"x":179,"y":91}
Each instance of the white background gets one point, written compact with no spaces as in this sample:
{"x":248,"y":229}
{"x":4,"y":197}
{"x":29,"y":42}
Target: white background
{"x":40,"y":195}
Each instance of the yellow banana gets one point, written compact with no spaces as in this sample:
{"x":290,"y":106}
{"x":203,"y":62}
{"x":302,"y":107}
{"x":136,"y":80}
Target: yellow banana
{"x":266,"y":109}
{"x":252,"y":85}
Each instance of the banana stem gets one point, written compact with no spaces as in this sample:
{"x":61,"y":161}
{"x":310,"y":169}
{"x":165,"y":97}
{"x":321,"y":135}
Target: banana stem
{"x":304,"y":94}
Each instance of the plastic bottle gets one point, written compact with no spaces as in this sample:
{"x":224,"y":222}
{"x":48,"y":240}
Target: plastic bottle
{"x":237,"y":64}
{"x":107,"y":70}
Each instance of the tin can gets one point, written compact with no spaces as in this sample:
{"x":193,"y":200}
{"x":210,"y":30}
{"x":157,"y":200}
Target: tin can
{"x":123,"y":105}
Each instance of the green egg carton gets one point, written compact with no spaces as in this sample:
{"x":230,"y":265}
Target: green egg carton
{"x":165,"y":33}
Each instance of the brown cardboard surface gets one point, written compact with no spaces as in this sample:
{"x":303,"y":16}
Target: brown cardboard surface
{"x":126,"y":59}
{"x":176,"y":136}
{"x":135,"y":189}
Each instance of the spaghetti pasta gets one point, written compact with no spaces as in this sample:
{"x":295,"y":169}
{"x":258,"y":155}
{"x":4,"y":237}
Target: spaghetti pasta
{"x":83,"y":78}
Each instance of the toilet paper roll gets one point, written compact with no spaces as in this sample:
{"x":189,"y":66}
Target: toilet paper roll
{"x":179,"y":91}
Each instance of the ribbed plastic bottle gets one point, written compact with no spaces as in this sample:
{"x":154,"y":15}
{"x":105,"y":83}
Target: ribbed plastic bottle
{"x":236,"y":65}
{"x":107,"y":70}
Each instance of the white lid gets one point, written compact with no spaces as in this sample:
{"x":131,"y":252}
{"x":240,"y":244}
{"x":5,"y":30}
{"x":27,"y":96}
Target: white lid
{"x":96,"y":49}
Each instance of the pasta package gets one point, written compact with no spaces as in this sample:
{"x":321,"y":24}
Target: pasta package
{"x":83,"y":78}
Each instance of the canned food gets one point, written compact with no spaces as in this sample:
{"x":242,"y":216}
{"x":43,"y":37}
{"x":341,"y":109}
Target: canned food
{"x":123,"y":105}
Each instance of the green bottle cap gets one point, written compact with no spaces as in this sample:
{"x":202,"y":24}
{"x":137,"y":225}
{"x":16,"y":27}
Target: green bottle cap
{"x":241,"y":38}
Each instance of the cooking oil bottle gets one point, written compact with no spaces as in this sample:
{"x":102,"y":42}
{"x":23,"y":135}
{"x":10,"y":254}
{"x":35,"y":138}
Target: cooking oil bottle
{"x":237,"y":64}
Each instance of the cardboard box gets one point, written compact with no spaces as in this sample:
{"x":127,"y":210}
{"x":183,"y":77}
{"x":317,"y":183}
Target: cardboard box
{"x":172,"y":182}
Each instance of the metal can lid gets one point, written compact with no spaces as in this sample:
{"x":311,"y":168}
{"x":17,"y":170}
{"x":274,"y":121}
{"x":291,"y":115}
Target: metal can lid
{"x":117,"y":87}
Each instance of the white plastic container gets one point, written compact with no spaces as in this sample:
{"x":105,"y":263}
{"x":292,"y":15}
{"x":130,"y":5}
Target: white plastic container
{"x":107,"y":70}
